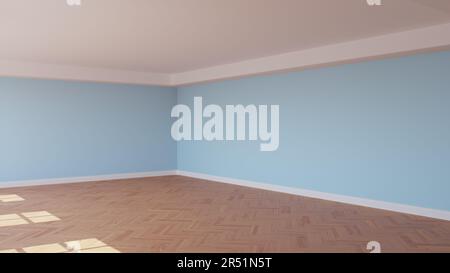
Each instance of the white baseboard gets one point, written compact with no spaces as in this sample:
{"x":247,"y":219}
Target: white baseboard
{"x":82,"y":179}
{"x":432,"y":213}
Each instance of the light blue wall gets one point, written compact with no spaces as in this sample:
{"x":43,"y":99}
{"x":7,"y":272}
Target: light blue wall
{"x":52,"y":129}
{"x":378,"y":129}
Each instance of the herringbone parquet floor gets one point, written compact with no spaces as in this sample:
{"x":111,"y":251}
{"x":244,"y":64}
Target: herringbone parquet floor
{"x":180,"y":214}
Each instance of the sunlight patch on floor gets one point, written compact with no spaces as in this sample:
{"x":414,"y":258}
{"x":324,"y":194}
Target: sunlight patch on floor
{"x":7,"y":220}
{"x":10,"y":198}
{"x":91,"y":245}
{"x":49,"y":248}
{"x":40,"y":216}
{"x":9,"y":251}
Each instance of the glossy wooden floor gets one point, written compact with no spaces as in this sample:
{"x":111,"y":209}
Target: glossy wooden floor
{"x":179,"y":214}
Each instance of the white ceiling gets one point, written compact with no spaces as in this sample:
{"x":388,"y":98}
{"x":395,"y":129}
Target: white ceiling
{"x":173,"y":36}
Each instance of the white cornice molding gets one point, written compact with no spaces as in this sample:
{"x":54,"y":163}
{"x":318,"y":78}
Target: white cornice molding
{"x":77,"y":73}
{"x":417,"y":40}
{"x":385,"y":45}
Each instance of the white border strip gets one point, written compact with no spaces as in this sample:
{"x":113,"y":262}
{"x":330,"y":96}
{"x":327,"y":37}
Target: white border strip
{"x":432,"y":213}
{"x":83,"y":179}
{"x":77,"y":73}
{"x":385,"y":45}
{"x":421,"y":39}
